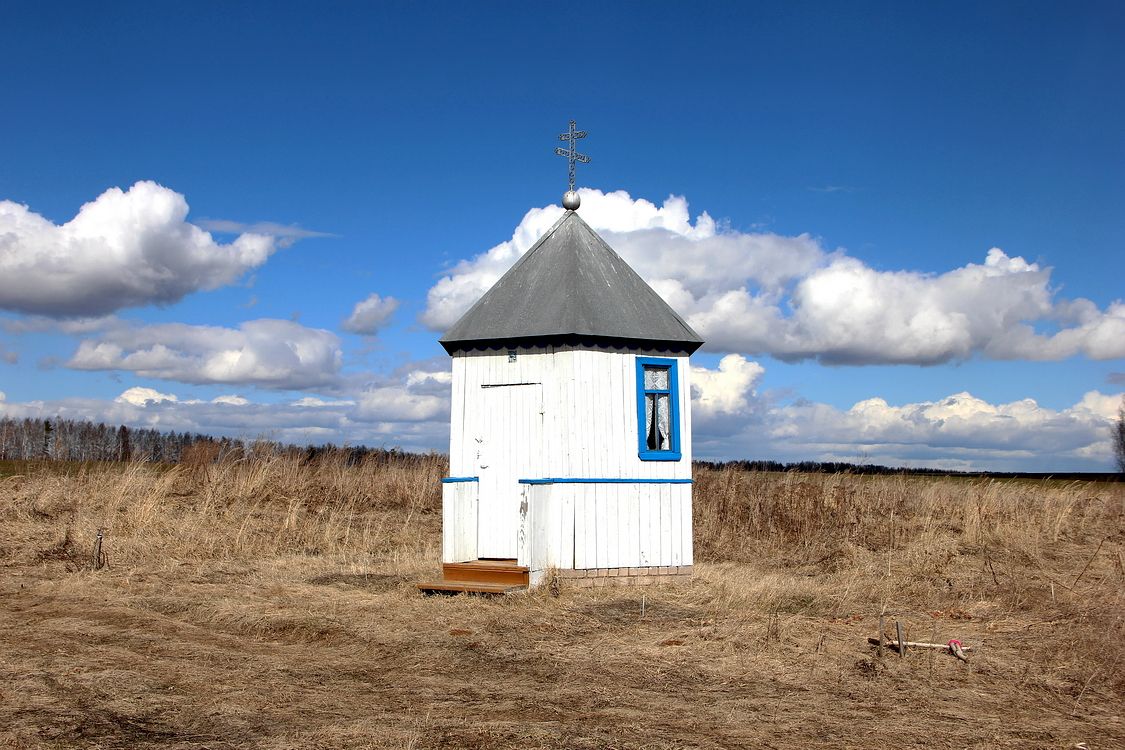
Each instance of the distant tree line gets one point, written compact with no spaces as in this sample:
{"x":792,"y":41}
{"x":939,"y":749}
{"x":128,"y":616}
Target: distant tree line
{"x":75,"y":440}
{"x":1119,"y":437}
{"x":841,"y":467}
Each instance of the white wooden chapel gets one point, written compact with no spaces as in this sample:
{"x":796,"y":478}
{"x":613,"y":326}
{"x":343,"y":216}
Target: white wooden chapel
{"x":570,"y":434}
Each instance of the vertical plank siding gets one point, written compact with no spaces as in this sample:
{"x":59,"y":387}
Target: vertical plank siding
{"x":675,"y":533}
{"x":561,"y":412}
{"x":587,"y":526}
{"x":589,"y":520}
{"x":459,"y":522}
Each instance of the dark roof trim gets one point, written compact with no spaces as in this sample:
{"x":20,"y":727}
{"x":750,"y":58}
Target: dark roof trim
{"x":598,"y":343}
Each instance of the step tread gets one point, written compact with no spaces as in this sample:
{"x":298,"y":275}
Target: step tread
{"x":492,"y":568}
{"x":470,"y":587}
{"x":505,"y":565}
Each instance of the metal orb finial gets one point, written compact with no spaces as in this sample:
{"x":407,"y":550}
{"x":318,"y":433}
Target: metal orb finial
{"x":571,"y":200}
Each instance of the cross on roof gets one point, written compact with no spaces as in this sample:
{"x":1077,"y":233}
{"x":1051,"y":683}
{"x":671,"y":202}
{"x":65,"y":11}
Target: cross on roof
{"x":571,"y":153}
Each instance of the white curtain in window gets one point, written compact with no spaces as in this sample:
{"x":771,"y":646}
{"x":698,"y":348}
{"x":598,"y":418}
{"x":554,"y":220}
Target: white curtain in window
{"x":656,"y":378}
{"x":658,"y":430}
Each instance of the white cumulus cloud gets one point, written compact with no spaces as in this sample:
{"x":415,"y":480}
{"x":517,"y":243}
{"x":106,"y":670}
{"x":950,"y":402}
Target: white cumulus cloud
{"x":313,"y":402}
{"x":848,"y":313}
{"x":268,"y":353}
{"x":370,"y":314}
{"x":400,"y":404}
{"x":789,"y":297}
{"x":440,"y":378}
{"x":123,"y":249}
{"x":722,"y":399}
{"x":140,"y":396}
{"x":418,"y":393}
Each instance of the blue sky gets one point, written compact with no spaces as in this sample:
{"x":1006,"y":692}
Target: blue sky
{"x":855,"y":167}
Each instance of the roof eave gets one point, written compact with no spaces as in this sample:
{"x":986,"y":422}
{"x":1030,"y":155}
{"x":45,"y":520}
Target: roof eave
{"x":679,"y":346}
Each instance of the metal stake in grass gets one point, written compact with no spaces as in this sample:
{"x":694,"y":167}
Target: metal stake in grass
{"x":98,"y":560}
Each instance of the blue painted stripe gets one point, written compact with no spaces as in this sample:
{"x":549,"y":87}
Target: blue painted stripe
{"x":452,"y":480}
{"x":557,"y":480}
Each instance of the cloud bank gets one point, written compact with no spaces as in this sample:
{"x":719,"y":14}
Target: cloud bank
{"x":123,"y":249}
{"x":959,"y":431}
{"x":410,"y":410}
{"x":791,"y":298}
{"x":730,"y":420}
{"x":268,"y":353}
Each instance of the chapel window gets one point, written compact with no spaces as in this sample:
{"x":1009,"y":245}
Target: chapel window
{"x":657,"y":418}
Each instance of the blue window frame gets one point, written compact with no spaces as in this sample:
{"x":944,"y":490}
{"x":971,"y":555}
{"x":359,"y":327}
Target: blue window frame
{"x":658,"y":418}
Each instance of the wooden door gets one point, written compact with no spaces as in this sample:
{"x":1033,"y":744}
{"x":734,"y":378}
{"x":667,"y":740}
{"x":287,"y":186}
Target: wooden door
{"x":510,"y":446}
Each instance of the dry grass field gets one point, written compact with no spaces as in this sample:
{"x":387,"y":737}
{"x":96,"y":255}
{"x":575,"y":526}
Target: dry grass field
{"x":265,"y":603}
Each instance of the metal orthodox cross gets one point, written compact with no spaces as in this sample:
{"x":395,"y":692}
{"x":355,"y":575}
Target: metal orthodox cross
{"x":571,"y":153}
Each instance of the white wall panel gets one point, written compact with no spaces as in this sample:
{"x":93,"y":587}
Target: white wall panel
{"x":567,"y":540}
{"x":603,"y":523}
{"x":618,"y":525}
{"x":459,"y":521}
{"x":674,"y":550}
{"x":665,"y":524}
{"x":630,"y":524}
{"x":590,"y":520}
{"x":645,"y":527}
{"x":687,"y":546}
{"x":581,"y":558}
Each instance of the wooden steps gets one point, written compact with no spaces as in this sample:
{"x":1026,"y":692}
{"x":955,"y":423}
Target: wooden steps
{"x":479,"y":577}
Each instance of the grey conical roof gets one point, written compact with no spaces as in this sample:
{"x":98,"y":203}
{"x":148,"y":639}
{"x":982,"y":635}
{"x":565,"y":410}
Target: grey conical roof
{"x":571,"y":286}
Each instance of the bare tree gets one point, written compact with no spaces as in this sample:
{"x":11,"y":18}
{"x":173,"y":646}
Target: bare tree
{"x":1119,"y":437}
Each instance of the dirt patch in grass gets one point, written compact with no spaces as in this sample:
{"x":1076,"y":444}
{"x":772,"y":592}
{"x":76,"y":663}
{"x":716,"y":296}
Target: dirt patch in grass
{"x":631,"y":610}
{"x":365,"y":581}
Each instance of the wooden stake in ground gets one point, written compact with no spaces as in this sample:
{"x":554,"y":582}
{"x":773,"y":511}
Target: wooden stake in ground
{"x":881,"y":634}
{"x":933,"y":637}
{"x":901,"y":642}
